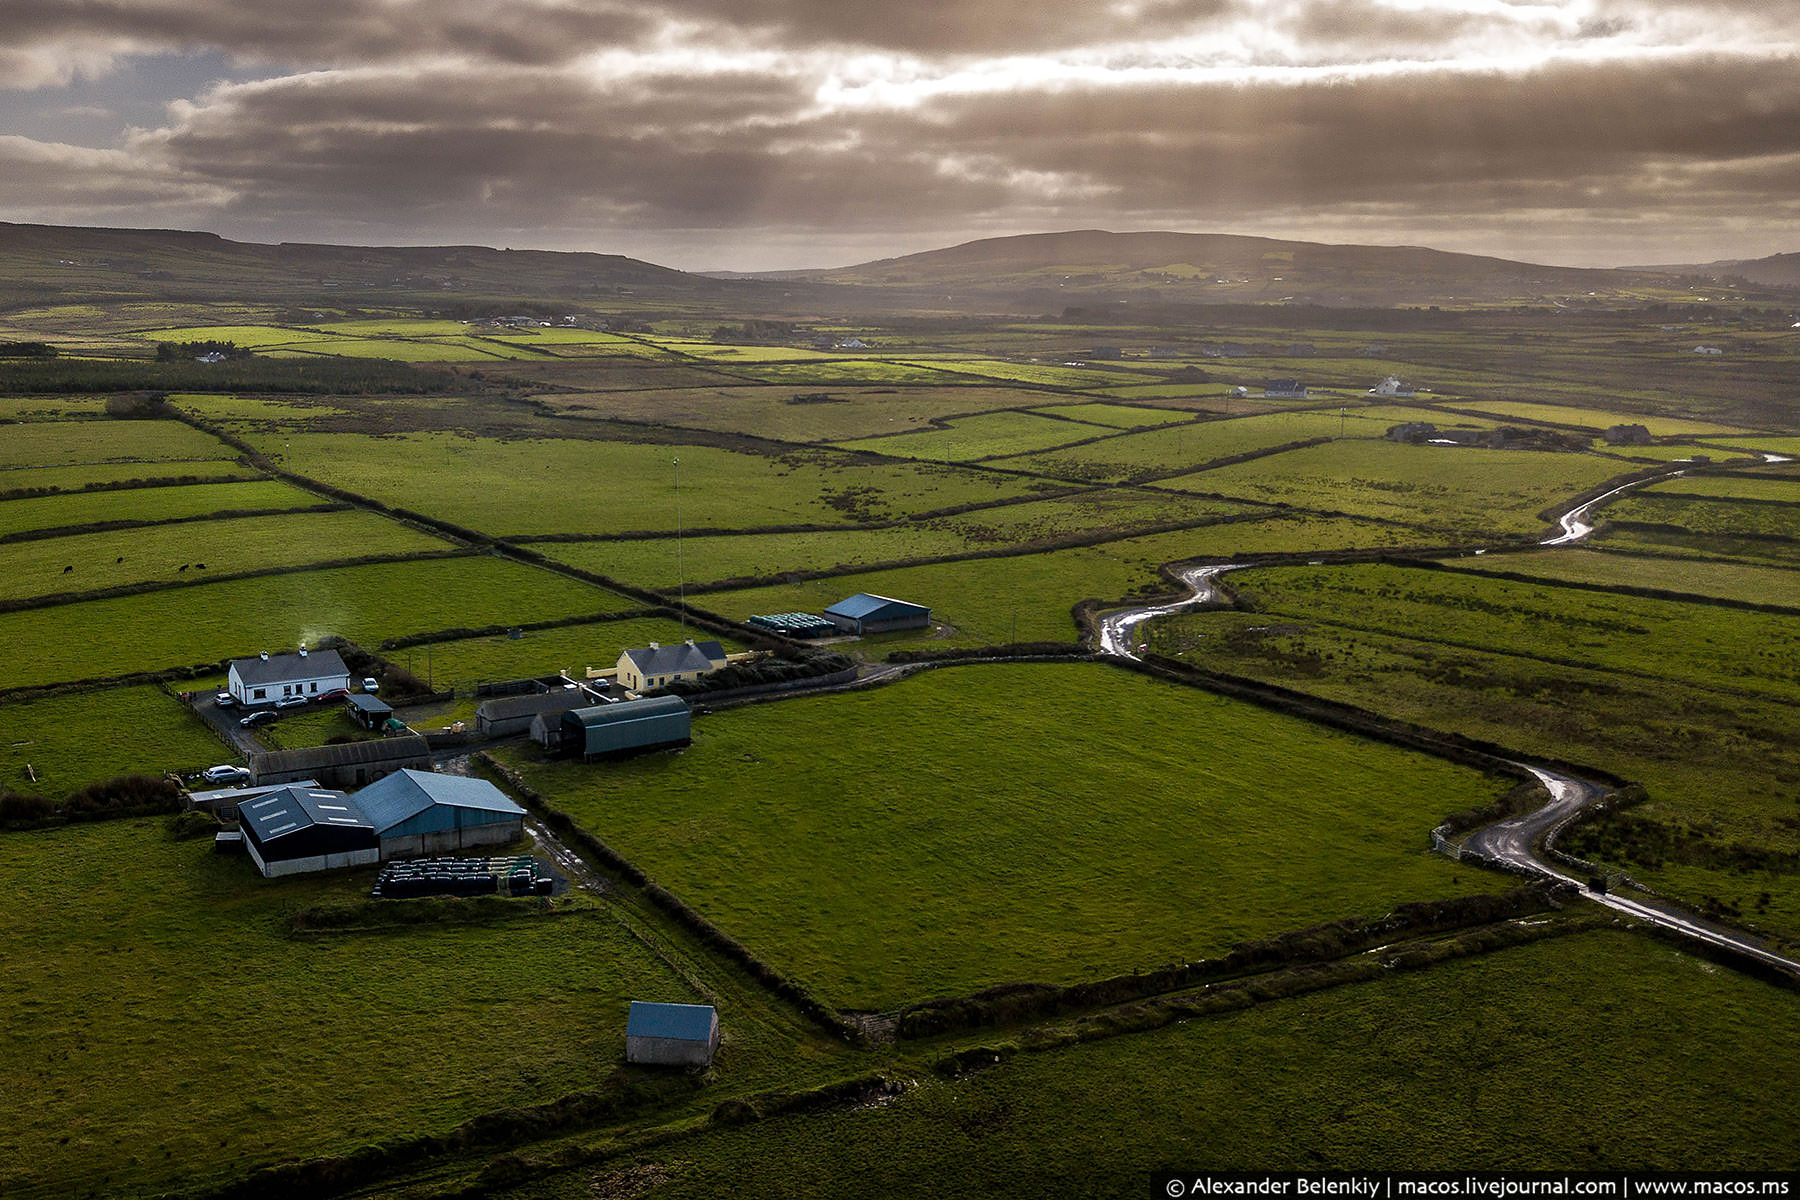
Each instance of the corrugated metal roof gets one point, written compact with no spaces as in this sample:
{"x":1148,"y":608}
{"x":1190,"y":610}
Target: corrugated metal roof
{"x":508,"y":708}
{"x":864,"y":605}
{"x":369,"y":704}
{"x":286,"y":668}
{"x":344,"y":754}
{"x":684,"y":1022}
{"x":629,"y":710}
{"x":294,"y":808}
{"x":670,"y":660}
{"x":216,"y":795}
{"x":407,"y":793}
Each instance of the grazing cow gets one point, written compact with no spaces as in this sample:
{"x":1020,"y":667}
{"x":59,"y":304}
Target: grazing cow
{"x":119,"y":559}
{"x":199,"y":566}
{"x":181,"y":568}
{"x":66,"y":570}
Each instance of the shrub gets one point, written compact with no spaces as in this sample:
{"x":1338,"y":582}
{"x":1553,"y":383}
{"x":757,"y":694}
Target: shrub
{"x":193,"y":824}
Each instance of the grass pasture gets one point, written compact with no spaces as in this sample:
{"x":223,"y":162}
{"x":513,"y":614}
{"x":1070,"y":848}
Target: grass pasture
{"x":977,"y":826}
{"x":102,"y":639}
{"x":87,"y":562}
{"x":37,"y":445}
{"x":73,"y":740}
{"x":774,"y":412}
{"x":989,"y":435}
{"x":1707,"y":517}
{"x":75,"y":479}
{"x":110,"y":988}
{"x":149,"y":504}
{"x":1725,"y":580}
{"x":543,"y":651}
{"x":1596,"y":418}
{"x":1512,"y":1061}
{"x":1167,"y":451}
{"x":1453,"y":487}
{"x":523,"y":486}
{"x":1780,"y":488}
{"x":1116,"y":416}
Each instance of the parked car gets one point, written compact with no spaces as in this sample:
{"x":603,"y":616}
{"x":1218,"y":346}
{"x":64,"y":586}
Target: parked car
{"x":226,"y":773}
{"x":225,"y":700}
{"x":261,"y":716}
{"x":370,"y":684}
{"x":334,"y":694}
{"x":290,"y":702}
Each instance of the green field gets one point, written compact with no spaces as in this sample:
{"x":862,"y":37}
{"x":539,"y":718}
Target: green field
{"x":1167,"y":451}
{"x":523,"y":486}
{"x":98,"y":639}
{"x":42,"y":408}
{"x":1118,"y":416}
{"x":773,"y":412}
{"x":1726,"y":580}
{"x":150,"y":504}
{"x":1783,"y":488}
{"x":77,"y":443}
{"x":136,"y":957}
{"x":74,"y":479}
{"x":73,"y":740}
{"x":1469,"y":490}
{"x":651,"y":562}
{"x":1514,"y":1061}
{"x":86,"y":562}
{"x":1725,"y":518}
{"x":979,"y":826}
{"x":986,"y":436}
{"x":1596,"y":418}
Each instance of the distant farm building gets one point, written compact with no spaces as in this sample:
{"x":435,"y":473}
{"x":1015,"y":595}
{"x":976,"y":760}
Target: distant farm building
{"x":1411,"y":431}
{"x":348,"y":764}
{"x":1106,"y":353}
{"x":1492,"y":439}
{"x":1709,"y":350}
{"x":655,"y":665}
{"x":671,"y":1035}
{"x":794,"y":624}
{"x":295,"y":829}
{"x":1284,"y":389}
{"x":1627,"y":435}
{"x":271,"y":677}
{"x":628,"y":727}
{"x":417,"y":813}
{"x":1391,"y":386}
{"x":546,"y":730}
{"x":508,"y":715}
{"x":371,"y":712}
{"x":865,"y":613}
{"x":1165,"y":352}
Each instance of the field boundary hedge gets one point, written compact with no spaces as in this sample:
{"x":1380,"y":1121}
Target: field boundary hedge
{"x":709,"y":935}
{"x":128,"y":485}
{"x":458,"y":634}
{"x":1620,"y":589}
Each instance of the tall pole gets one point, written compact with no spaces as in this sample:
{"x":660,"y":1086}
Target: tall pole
{"x":680,"y":570}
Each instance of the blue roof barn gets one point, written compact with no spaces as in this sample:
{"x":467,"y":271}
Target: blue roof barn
{"x":671,"y":1035}
{"x":868,"y":613}
{"x":418,"y":813}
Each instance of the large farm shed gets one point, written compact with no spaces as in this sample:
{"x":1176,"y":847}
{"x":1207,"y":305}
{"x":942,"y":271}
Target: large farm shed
{"x":627,"y":727}
{"x":417,"y":813}
{"x":296,"y":829}
{"x":508,"y":715}
{"x":271,"y":677}
{"x":349,"y":764}
{"x":671,"y":1035}
{"x":867,"y":613}
{"x":655,"y":665}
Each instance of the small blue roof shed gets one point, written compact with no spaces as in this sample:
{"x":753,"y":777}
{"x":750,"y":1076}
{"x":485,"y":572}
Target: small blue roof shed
{"x":684,"y":1035}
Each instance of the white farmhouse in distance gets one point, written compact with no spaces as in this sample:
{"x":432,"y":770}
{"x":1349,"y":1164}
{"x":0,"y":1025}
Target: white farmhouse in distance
{"x":271,"y":677}
{"x":1391,"y":386}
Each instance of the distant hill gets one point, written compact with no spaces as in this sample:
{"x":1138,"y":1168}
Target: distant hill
{"x":1777,"y":270}
{"x":38,"y":262}
{"x":1221,"y":268}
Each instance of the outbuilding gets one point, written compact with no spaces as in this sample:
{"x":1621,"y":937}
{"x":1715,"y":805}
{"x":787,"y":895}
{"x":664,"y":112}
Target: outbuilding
{"x":271,"y":677}
{"x":655,"y":665}
{"x":371,"y":712}
{"x":671,"y":1035}
{"x":224,"y":802}
{"x":296,"y":829}
{"x":347,"y":764}
{"x":866,"y":613}
{"x":506,"y":715}
{"x":419,"y":813}
{"x":628,"y":727}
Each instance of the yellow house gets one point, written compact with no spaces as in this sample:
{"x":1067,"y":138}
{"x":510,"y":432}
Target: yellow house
{"x":656,"y":665}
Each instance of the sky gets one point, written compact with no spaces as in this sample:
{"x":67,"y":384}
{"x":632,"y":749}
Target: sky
{"x":768,"y":134}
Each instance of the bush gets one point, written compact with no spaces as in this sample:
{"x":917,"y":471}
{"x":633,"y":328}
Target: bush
{"x":193,"y":824}
{"x":126,"y":793}
{"x":763,"y":671}
{"x":21,"y":807}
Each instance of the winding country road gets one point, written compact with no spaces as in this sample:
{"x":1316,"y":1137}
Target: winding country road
{"x":1512,"y":844}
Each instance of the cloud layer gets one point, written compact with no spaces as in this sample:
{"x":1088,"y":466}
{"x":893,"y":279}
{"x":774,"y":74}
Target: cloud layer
{"x":810,"y":132}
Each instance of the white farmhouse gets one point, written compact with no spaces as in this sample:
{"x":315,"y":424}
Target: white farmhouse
{"x":271,"y":677}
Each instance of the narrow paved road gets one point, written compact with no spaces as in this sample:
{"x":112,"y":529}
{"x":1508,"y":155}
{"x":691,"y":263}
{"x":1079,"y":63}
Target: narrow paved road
{"x":1574,"y":523}
{"x":1117,"y":628}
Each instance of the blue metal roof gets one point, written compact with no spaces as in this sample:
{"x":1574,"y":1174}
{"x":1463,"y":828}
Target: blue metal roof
{"x":865,"y":604}
{"x":397,"y":798}
{"x":684,"y":1022}
{"x":294,"y":808}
